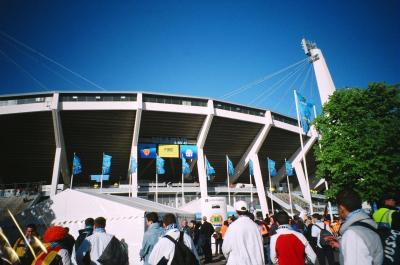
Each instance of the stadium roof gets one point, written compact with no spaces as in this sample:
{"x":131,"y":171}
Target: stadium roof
{"x":34,"y":125}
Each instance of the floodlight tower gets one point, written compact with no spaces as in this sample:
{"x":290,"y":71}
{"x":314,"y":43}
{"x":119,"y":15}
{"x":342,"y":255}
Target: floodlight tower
{"x":325,"y":83}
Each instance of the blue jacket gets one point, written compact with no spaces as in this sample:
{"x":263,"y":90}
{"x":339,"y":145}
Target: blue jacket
{"x":150,"y":238}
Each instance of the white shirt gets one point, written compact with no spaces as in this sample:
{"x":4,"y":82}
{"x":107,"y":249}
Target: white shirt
{"x":166,"y":248}
{"x":63,"y":253}
{"x":95,"y":244}
{"x":316,"y":231}
{"x":354,"y":250}
{"x":243,"y":243}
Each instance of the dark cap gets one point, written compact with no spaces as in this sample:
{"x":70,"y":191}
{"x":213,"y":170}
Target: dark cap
{"x":389,"y":195}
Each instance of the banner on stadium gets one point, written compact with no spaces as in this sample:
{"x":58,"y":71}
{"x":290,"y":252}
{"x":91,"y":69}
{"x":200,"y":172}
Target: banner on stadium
{"x":98,"y":178}
{"x":147,"y":150}
{"x":168,"y":150}
{"x":189,"y":151}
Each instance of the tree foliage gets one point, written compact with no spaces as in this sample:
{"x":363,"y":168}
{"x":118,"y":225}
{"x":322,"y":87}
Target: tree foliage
{"x":360,"y":140}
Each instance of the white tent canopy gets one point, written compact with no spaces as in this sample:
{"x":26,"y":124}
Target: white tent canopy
{"x":124,"y":215}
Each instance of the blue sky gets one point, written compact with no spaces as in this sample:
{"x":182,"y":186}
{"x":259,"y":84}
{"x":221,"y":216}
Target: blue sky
{"x":198,"y":48}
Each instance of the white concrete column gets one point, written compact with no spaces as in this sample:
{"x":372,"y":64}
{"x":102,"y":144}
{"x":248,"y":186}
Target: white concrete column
{"x":325,"y":83}
{"x":260,"y":185}
{"x":201,"y":140}
{"x":254,"y":146}
{"x":60,"y":161}
{"x":297,"y":158}
{"x":134,"y":146}
{"x":56,"y":172}
{"x":305,"y":189}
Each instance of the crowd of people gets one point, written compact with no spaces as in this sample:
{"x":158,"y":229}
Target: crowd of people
{"x":352,"y":238}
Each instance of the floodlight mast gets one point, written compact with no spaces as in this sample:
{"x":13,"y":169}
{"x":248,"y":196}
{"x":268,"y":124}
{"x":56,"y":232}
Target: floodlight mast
{"x":325,"y":83}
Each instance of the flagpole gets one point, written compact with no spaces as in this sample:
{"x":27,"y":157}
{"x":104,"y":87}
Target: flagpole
{"x":101,"y":179}
{"x":227,"y":181}
{"x":302,"y":150}
{"x":130,"y":185}
{"x":270,"y":187}
{"x":72,"y":175}
{"x":156,"y":183}
{"x":183,"y":191}
{"x":205,"y":166}
{"x":290,"y":194}
{"x":326,"y":183}
{"x":251,"y":190}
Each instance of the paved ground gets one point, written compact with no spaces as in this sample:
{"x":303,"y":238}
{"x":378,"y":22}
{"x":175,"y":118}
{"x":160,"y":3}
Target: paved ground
{"x":217,"y":260}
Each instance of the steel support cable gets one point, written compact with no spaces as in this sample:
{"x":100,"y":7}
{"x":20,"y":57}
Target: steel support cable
{"x":43,"y":86}
{"x":265,"y":78}
{"x":259,"y":81}
{"x":313,"y":82}
{"x":290,"y":88}
{"x":275,"y":86}
{"x":49,"y":59}
{"x":42,"y":63}
{"x":304,"y":80}
{"x":293,"y":105}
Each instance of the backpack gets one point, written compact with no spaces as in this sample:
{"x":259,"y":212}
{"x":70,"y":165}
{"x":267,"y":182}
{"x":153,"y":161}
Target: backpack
{"x":383,"y":233}
{"x":115,"y":253}
{"x":324,"y":233}
{"x":182,"y":255}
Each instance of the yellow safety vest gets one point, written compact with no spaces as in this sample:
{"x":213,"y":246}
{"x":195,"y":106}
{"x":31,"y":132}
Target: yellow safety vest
{"x":383,"y":216}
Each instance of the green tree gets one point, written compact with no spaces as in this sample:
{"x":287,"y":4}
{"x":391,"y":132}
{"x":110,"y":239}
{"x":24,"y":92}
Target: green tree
{"x":360,"y":140}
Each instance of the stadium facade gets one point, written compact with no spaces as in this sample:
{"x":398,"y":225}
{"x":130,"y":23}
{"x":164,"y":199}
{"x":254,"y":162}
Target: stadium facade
{"x":40,"y":132}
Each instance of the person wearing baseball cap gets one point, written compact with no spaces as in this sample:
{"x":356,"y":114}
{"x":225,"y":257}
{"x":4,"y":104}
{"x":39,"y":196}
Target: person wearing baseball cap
{"x":243,"y":243}
{"x":56,"y":253}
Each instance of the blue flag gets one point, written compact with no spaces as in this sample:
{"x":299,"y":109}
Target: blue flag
{"x":271,"y":168}
{"x":160,"y":165}
{"x":106,"y":168}
{"x":251,"y":168}
{"x":231,"y":169}
{"x":77,"y":167}
{"x":133,"y":167}
{"x":288,"y":168}
{"x":185,"y":167}
{"x":305,"y":110}
{"x":209,"y":169}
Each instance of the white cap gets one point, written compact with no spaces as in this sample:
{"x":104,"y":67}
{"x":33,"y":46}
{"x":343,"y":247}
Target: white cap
{"x":241,"y":206}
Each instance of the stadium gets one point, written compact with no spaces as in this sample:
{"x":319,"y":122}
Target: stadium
{"x":41,"y":133}
{"x":67,"y":155}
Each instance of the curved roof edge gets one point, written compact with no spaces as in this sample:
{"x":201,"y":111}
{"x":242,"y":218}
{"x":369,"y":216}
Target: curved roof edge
{"x":49,"y":92}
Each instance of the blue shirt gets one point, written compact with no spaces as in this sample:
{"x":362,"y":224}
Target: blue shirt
{"x":150,"y":238}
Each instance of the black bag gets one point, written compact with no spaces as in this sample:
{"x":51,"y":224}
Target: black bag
{"x":182,"y":255}
{"x":115,"y":253}
{"x":324,"y":233}
{"x":391,"y":256}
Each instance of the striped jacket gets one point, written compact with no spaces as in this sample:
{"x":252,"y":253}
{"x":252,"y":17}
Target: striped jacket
{"x":54,"y":256}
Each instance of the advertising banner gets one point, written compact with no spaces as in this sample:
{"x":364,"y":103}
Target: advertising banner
{"x":147,"y":150}
{"x":168,"y":150}
{"x":189,"y":151}
{"x":98,"y":178}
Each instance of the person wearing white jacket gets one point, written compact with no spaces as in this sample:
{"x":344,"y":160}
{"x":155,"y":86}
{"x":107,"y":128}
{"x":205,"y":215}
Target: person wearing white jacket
{"x":360,"y":244}
{"x":243,"y":243}
{"x":165,"y":248}
{"x":94,"y":244}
